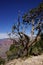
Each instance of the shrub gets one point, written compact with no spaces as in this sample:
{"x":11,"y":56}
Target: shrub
{"x":14,"y":51}
{"x":37,"y":48}
{"x":2,"y":61}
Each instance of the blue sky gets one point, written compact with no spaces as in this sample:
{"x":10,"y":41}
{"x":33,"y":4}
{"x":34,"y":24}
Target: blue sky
{"x":9,"y":12}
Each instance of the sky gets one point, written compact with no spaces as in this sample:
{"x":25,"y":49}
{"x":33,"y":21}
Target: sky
{"x":9,"y":13}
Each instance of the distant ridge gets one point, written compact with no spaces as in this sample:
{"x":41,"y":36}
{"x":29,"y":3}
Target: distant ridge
{"x":4,"y":46}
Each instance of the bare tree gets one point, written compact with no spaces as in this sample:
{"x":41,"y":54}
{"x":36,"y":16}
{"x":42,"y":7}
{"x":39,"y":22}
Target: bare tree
{"x":35,"y":18}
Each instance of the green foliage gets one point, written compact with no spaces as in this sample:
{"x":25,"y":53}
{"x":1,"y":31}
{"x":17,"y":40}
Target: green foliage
{"x":9,"y":54}
{"x":35,"y":51}
{"x":14,"y":51}
{"x":41,"y":36}
{"x":17,"y":50}
{"x":2,"y":61}
{"x":12,"y":46}
{"x":40,"y":7}
{"x":38,"y":47}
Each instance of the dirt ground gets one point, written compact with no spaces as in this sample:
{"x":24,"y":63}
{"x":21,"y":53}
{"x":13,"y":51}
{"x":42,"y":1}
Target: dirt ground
{"x":34,"y":60}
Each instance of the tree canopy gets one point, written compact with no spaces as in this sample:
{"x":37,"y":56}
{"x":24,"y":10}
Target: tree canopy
{"x":33,"y":17}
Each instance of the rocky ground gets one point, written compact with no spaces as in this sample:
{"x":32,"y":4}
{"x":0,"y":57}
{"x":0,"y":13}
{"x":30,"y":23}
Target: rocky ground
{"x":34,"y":60}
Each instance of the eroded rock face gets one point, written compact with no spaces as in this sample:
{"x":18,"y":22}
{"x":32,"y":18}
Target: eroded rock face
{"x":4,"y":46}
{"x":35,"y":60}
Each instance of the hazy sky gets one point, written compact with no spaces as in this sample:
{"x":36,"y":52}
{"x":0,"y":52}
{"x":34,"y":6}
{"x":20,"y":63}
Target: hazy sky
{"x":9,"y":12}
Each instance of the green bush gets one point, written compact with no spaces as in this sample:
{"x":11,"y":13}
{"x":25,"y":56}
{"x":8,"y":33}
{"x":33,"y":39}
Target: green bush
{"x":34,"y":51}
{"x":37,"y":48}
{"x":2,"y":61}
{"x":14,"y":52}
